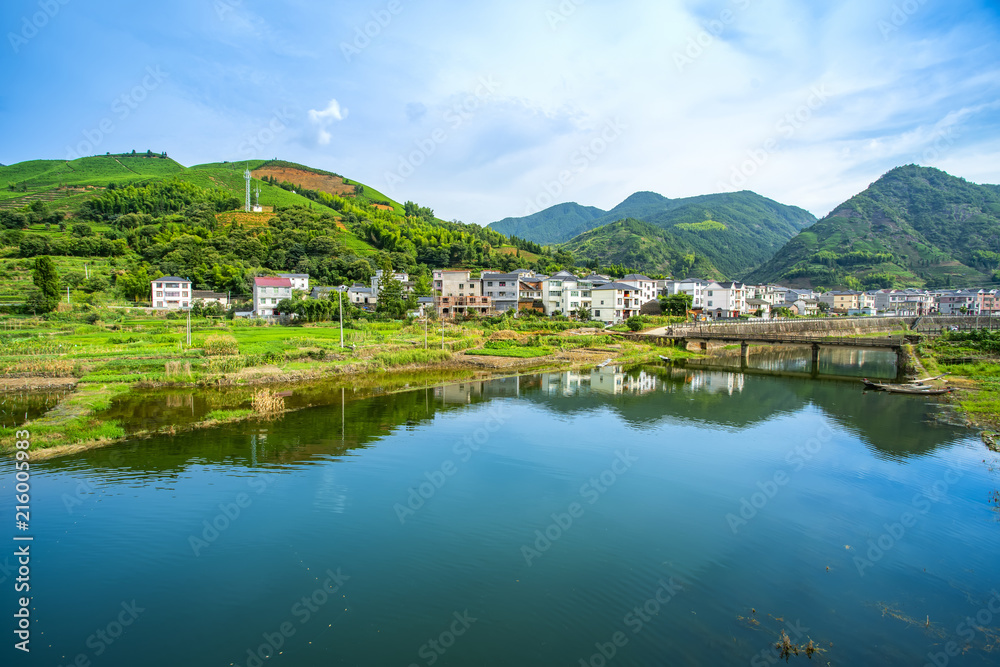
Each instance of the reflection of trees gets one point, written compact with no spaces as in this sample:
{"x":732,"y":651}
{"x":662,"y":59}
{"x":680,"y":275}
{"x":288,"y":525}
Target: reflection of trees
{"x":343,"y":418}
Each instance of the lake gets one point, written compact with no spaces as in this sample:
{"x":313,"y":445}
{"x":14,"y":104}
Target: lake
{"x":655,"y":515}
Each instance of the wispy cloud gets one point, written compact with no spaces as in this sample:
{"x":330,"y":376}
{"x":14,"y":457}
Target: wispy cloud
{"x":321,"y":120}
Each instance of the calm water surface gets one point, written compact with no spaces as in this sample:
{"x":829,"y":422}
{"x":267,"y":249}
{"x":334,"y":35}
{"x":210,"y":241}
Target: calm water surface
{"x":650,"y":516}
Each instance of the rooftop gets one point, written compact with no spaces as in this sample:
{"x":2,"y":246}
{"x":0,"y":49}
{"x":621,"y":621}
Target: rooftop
{"x":271,"y":281}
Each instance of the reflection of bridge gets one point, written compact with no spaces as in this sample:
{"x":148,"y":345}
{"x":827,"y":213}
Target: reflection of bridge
{"x":702,"y":336}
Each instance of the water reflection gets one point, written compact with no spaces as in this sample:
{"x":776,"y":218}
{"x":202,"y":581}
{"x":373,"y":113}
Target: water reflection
{"x":18,"y":407}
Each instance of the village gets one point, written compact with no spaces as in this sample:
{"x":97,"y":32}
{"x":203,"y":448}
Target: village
{"x":461,"y":293}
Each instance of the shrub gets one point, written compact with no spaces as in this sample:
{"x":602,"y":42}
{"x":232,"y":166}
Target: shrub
{"x":221,"y":344}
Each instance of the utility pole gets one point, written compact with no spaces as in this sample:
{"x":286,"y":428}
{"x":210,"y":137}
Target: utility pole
{"x":67,"y":293}
{"x":425,"y":331}
{"x":189,"y":329}
{"x":340,"y":301}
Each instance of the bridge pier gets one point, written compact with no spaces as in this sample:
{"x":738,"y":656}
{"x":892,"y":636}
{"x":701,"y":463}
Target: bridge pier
{"x":815,"y":356}
{"x":744,"y":352}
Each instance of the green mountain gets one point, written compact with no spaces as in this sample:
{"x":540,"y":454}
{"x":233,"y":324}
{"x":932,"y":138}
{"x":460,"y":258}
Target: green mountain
{"x":914,"y":226}
{"x":641,"y":246}
{"x":111,"y":222}
{"x":553,"y":225}
{"x":735,"y":232}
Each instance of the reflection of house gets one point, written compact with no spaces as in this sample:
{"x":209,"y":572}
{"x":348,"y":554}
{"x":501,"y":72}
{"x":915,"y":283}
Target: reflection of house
{"x":715,"y":382}
{"x":612,"y":380}
{"x":170,"y":292}
{"x":458,"y":394}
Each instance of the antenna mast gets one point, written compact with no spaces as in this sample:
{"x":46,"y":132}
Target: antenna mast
{"x":246,"y":175}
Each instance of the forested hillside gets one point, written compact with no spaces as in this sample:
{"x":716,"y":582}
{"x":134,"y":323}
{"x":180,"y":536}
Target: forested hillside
{"x":915,"y":226}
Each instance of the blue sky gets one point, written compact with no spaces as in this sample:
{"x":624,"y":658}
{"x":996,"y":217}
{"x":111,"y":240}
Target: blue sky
{"x":494,"y":109}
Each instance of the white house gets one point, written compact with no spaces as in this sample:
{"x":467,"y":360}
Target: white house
{"x":615,"y":302}
{"x":299,"y":280}
{"x":725,"y":300}
{"x":644,"y":285}
{"x":267,"y":292}
{"x":170,"y":293}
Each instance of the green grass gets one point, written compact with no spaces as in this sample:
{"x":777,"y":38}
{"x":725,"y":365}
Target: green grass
{"x":516,"y":352}
{"x":705,"y":226}
{"x":227,"y":415}
{"x":407,"y":357}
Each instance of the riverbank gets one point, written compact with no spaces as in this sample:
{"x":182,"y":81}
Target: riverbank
{"x":80,"y":422}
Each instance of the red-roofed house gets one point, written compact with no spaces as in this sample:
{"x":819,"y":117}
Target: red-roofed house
{"x":267,"y":292}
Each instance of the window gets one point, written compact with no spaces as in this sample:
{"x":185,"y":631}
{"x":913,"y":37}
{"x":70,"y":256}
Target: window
{"x":619,"y":302}
{"x":710,"y":292}
{"x":489,"y":283}
{"x":710,"y":303}
{"x":159,"y":285}
{"x":574,"y":293}
{"x":502,"y":284}
{"x":159,"y":294}
{"x":597,"y":313}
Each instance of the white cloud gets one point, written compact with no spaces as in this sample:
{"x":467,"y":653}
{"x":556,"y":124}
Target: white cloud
{"x":321,"y":120}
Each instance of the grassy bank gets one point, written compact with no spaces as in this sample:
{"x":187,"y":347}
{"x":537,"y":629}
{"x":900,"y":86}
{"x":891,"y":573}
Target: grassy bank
{"x":972,"y":358}
{"x":107,"y":352}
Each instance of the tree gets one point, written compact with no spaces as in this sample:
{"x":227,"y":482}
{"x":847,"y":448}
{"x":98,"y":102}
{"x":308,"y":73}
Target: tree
{"x":46,"y":279}
{"x":677,"y":304}
{"x":583,"y":314}
{"x":392,"y":301}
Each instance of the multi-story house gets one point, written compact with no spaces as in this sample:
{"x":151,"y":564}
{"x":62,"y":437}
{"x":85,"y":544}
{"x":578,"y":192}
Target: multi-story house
{"x":170,"y":293}
{"x":300,"y":281}
{"x":458,"y":294}
{"x":726,"y":300}
{"x":959,"y":302}
{"x":559,"y":291}
{"x":504,"y":288}
{"x":614,"y":302}
{"x":645,"y":285}
{"x":695,"y":287}
{"x":840,"y":302}
{"x":267,"y":292}
{"x":989,"y":302}
{"x":404,"y":278}
{"x":530,"y":294}
{"x":793,"y":295}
